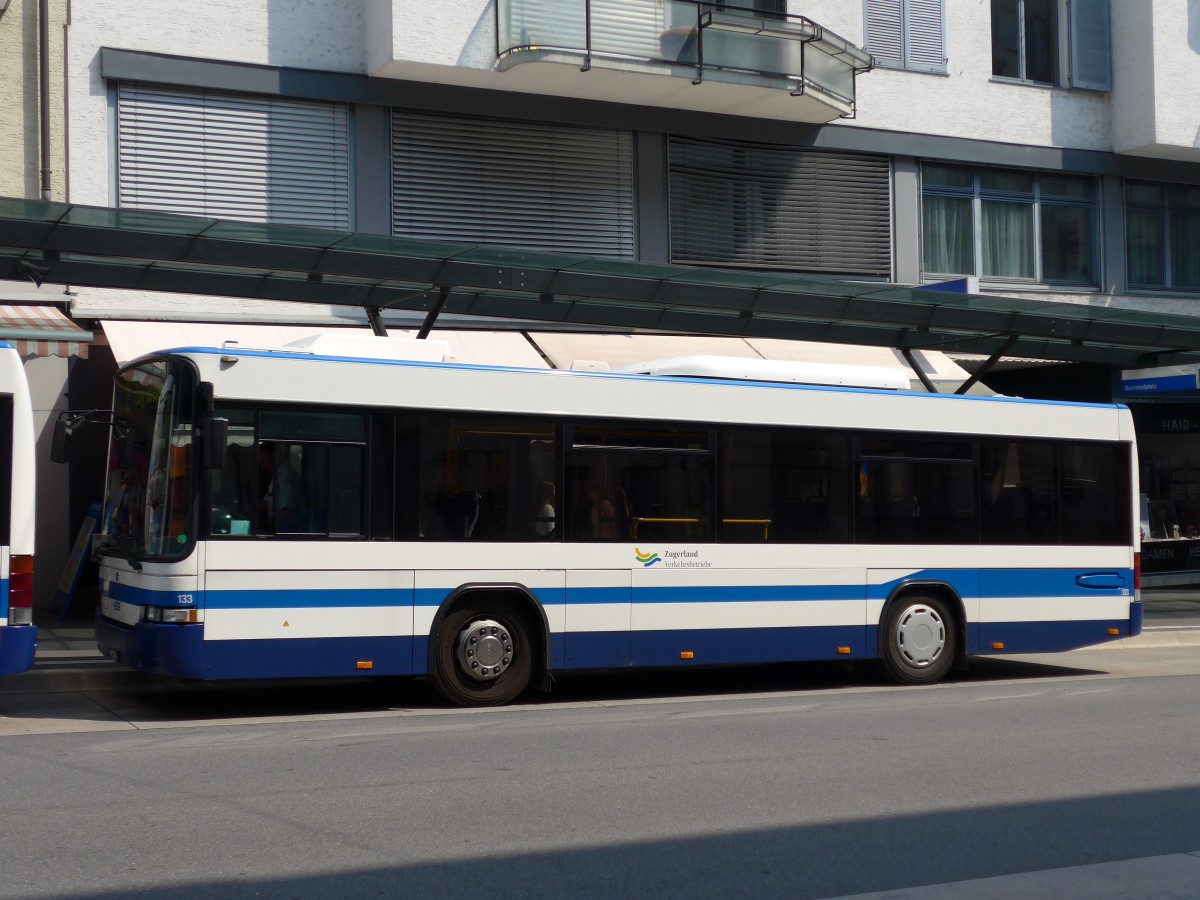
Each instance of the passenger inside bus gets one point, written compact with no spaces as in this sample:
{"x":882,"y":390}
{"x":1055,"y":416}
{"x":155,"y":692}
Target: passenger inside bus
{"x":543,"y":509}
{"x":282,"y":508}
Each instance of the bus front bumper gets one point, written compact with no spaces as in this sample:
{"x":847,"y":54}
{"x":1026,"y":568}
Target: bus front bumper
{"x":175,"y":650}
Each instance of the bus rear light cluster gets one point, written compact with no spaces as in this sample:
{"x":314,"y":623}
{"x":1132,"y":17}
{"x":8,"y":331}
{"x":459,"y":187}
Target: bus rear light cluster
{"x":170,"y":615}
{"x":20,"y":591}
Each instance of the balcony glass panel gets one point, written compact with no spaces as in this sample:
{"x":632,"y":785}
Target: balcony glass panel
{"x":631,"y":27}
{"x":542,"y":23}
{"x":669,"y":31}
{"x":827,"y":73}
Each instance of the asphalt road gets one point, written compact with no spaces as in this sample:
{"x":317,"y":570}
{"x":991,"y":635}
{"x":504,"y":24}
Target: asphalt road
{"x":803,"y":781}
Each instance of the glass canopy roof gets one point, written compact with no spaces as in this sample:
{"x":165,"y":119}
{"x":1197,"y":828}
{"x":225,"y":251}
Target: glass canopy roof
{"x":133,"y":249}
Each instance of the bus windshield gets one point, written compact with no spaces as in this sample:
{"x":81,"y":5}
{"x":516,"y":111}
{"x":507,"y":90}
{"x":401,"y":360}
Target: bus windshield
{"x":148,"y":502}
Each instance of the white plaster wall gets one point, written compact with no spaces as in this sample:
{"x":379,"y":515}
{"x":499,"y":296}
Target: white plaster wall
{"x":445,"y":33}
{"x":1134,"y":76}
{"x":1177,"y":73}
{"x":329,"y":35}
{"x":966,"y":102}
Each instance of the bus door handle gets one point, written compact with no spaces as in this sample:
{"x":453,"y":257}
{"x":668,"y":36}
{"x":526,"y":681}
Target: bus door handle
{"x":1101,"y":580}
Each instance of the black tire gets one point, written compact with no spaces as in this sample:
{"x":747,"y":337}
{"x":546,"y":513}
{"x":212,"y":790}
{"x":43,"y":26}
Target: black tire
{"x":481,"y":655}
{"x":918,"y":639}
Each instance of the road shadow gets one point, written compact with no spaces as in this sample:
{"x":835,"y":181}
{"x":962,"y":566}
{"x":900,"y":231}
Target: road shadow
{"x":163,"y":701}
{"x":827,"y":859}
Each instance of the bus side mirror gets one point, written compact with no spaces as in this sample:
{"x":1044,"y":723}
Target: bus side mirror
{"x":60,"y":444}
{"x":216,"y":437}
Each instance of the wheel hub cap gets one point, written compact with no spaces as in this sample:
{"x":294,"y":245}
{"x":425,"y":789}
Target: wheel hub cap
{"x":920,"y":635}
{"x":484,"y":649}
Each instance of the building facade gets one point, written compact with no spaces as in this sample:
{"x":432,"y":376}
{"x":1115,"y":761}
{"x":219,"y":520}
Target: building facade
{"x":1042,"y":148}
{"x":33,"y":164}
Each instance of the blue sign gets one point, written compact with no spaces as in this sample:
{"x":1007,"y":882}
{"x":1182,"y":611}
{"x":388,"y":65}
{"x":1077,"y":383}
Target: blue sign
{"x":1159,"y":381}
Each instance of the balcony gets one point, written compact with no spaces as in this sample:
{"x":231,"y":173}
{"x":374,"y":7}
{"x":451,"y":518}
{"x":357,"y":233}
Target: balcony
{"x":678,"y":54}
{"x":1155,"y":105}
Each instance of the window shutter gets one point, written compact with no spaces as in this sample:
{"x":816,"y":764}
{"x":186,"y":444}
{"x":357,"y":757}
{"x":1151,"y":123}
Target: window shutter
{"x":925,"y":28}
{"x":519,"y":184}
{"x":1090,"y":42}
{"x":884,"y":31}
{"x":779,"y":208}
{"x":262,"y":159}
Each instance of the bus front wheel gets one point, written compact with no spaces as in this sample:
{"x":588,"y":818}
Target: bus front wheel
{"x":918,"y":640}
{"x":481,"y":656}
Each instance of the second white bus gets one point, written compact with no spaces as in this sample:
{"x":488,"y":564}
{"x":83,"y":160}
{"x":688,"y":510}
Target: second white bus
{"x":18,"y":634}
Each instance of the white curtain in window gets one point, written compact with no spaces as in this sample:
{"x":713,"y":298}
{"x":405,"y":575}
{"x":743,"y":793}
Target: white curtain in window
{"x":948,"y":235}
{"x":1144,"y":240}
{"x":1007,"y":240}
{"x":1185,"y":260}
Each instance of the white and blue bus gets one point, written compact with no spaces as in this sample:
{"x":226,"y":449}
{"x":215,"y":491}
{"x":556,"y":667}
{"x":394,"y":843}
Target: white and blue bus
{"x":331,"y":510}
{"x":18,"y":634}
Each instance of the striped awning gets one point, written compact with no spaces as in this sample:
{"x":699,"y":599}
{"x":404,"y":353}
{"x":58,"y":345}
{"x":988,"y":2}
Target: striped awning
{"x":42,"y":331}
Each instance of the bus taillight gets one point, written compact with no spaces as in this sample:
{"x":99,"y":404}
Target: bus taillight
{"x":1137,"y":573}
{"x":20,"y":591}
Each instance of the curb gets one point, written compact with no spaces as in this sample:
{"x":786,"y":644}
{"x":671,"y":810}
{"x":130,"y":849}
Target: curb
{"x":78,"y":674}
{"x":1154,"y":638}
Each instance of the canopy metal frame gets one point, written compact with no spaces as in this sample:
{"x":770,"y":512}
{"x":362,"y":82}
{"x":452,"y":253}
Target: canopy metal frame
{"x":102,"y":247}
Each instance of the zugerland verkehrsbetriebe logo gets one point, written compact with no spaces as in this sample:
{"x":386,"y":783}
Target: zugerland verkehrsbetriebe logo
{"x":646,"y":559}
{"x":672,"y":559}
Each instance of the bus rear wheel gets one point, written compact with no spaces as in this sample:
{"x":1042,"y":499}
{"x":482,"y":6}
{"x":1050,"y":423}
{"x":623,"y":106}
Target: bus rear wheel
{"x":481,"y":656}
{"x":918,"y":640}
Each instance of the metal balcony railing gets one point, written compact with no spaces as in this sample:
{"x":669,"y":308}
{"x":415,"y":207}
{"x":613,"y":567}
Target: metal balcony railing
{"x":685,"y":37}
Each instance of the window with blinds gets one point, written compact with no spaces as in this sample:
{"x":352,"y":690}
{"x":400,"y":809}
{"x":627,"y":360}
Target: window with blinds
{"x":520,"y":184}
{"x":264,"y":159}
{"x":749,"y":205}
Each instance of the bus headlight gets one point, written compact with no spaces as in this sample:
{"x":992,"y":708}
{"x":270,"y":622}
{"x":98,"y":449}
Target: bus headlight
{"x":169,"y":615}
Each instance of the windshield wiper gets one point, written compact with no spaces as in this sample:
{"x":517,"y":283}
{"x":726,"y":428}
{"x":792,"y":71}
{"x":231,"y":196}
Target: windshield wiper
{"x":125,"y":544}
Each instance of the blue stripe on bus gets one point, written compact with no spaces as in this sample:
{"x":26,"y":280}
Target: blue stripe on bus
{"x":1007,"y":583}
{"x":1052,"y":637}
{"x":3,"y":599}
{"x":181,"y":651}
{"x":739,"y":593}
{"x":984,"y":583}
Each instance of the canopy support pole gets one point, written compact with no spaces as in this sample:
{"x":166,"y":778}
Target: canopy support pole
{"x":912,"y":364}
{"x":375,"y":320}
{"x":434,"y":312}
{"x":987,"y":365}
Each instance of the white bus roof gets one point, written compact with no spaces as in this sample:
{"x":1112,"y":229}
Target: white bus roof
{"x":361,"y":346}
{"x":782,"y":371}
{"x":299,"y":375}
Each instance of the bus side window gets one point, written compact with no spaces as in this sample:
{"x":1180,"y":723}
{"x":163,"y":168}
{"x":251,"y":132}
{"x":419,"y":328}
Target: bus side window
{"x":236,"y":488}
